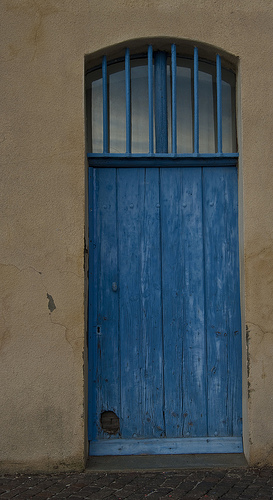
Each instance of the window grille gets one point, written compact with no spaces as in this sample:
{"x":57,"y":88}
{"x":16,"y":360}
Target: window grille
{"x":161,"y":105}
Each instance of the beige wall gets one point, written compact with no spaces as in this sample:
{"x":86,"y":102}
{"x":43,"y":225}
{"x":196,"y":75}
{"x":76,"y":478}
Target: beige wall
{"x":43,"y":46}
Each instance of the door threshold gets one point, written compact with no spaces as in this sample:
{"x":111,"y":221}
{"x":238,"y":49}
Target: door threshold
{"x":164,"y":462}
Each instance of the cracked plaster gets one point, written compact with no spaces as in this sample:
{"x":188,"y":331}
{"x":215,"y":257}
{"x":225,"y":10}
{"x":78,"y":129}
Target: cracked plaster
{"x":43,"y":46}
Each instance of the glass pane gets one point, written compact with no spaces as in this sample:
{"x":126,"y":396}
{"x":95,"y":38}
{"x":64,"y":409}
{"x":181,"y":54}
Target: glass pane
{"x":228,"y":111}
{"x":139,"y":106}
{"x":94,"y":112}
{"x":184,"y":106}
{"x":207,"y":108}
{"x":117,"y":108}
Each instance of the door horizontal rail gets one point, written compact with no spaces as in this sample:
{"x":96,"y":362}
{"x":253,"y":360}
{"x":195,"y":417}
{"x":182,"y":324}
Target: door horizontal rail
{"x":162,"y":160}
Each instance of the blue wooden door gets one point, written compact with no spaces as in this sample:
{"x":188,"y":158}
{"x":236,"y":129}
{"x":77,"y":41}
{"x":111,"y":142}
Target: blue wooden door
{"x":164,"y":325}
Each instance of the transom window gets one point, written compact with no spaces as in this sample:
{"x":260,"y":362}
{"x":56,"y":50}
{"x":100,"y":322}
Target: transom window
{"x":158,"y":103}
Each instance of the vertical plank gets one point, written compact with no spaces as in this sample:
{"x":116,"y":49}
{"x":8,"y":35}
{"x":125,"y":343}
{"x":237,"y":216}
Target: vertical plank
{"x":172,"y":297}
{"x":107,"y":338}
{"x":140,"y":315}
{"x":234,"y":312}
{"x":222,"y":298}
{"x":92,"y":308}
{"x":150,"y":252}
{"x":194,"y":340}
{"x":183,"y":302}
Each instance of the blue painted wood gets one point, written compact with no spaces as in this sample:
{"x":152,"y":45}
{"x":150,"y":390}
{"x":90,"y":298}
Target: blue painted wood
{"x":165,"y":344}
{"x":196,"y":101}
{"x":172,"y":298}
{"x":219,"y":103}
{"x":161,"y":121}
{"x":159,"y":96}
{"x":150,"y":279}
{"x":194,"y":341}
{"x":166,"y":446}
{"x":167,"y":161}
{"x":92,"y":307}
{"x":105,"y":105}
{"x":169,"y":336}
{"x":107,"y":320}
{"x":234,"y":408}
{"x":183,"y":302}
{"x":222,"y":301}
{"x":174,"y":107}
{"x":140,"y":304}
{"x":151,"y":98}
{"x":128,"y":100}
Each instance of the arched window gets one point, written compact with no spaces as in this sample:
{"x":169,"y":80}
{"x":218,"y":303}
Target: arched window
{"x":164,"y":292}
{"x":161,"y":103}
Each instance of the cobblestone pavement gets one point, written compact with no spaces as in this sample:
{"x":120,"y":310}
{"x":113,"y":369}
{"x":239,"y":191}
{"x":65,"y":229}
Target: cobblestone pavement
{"x":202,"y":484}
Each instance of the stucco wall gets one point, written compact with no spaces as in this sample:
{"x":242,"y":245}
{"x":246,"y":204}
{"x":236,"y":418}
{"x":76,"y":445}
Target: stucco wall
{"x":43,"y":47}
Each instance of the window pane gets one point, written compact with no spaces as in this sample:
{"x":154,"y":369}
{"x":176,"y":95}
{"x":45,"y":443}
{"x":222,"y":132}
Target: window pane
{"x":207,"y":108}
{"x":94,"y":112}
{"x":228,"y":112}
{"x":139,"y":106}
{"x":117,"y":108}
{"x":184,"y":106}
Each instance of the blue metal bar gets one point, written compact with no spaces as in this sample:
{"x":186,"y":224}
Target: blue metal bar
{"x":174,"y":117}
{"x":151,"y":99}
{"x":161,"y":123}
{"x":105,"y":104}
{"x":128,"y":100}
{"x":196,"y":101}
{"x":219,"y":103}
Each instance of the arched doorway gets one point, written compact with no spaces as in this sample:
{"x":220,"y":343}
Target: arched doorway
{"x":164,"y":301}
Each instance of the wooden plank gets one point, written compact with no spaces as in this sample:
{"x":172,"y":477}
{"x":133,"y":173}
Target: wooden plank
{"x":130,"y":213}
{"x":165,"y":446}
{"x":92,"y":308}
{"x":234,"y":407}
{"x":194,"y":340}
{"x":151,"y":328}
{"x":107,"y":333}
{"x":224,"y":361}
{"x":183,"y":302}
{"x":172,"y":297}
{"x":140,"y":296}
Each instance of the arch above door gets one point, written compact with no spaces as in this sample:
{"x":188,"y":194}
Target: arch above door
{"x":164,"y":299}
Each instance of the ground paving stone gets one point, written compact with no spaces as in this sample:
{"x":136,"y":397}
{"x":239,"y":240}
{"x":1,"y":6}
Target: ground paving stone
{"x":199,"y":484}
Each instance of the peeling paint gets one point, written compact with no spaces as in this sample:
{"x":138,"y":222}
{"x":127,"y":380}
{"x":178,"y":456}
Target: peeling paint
{"x":51,"y":303}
